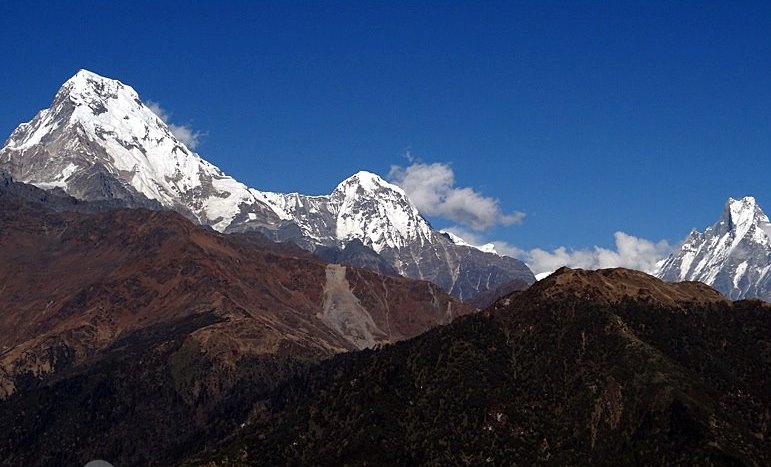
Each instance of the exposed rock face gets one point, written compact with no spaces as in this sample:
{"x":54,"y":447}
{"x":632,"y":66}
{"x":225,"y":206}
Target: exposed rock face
{"x":733,"y":255}
{"x":57,"y":199}
{"x":99,"y":141}
{"x":612,"y":367}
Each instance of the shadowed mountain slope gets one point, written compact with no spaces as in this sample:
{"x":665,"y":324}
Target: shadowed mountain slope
{"x":612,"y":367}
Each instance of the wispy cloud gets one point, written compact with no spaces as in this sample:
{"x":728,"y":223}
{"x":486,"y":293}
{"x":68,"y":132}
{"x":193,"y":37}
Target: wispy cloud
{"x":157,"y":110}
{"x":184,"y":133}
{"x":432,"y":188}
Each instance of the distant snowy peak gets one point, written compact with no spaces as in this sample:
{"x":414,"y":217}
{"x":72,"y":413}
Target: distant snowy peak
{"x":92,"y":101}
{"x":100,"y":122}
{"x":379,"y":212}
{"x":487,"y":247}
{"x":362,"y":207}
{"x":744,"y":217}
{"x":88,"y":88}
{"x":733,"y":255}
{"x":367,"y":182}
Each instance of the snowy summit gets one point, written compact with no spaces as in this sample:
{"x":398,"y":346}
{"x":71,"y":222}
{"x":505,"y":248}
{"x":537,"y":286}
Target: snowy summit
{"x":733,"y":255}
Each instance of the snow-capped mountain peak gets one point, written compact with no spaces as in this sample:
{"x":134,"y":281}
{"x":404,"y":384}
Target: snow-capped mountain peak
{"x":88,"y":87}
{"x":82,"y":99}
{"x":379,"y":212}
{"x":367,"y":181}
{"x":743,"y":217}
{"x":363,"y":207}
{"x":98,"y":123}
{"x":733,"y":255}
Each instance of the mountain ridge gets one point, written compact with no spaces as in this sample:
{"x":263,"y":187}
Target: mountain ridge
{"x":99,"y":141}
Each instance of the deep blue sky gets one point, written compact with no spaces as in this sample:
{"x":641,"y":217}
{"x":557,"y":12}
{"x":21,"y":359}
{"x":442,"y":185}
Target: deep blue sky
{"x":591,"y":117}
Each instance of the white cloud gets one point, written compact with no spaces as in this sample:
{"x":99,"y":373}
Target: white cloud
{"x":507,"y":249}
{"x":630,"y":252}
{"x":184,"y":133}
{"x":432,"y":188}
{"x":157,"y":110}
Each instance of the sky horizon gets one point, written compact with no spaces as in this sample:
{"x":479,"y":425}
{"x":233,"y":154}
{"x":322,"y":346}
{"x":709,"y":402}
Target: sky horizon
{"x":537,"y":124}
